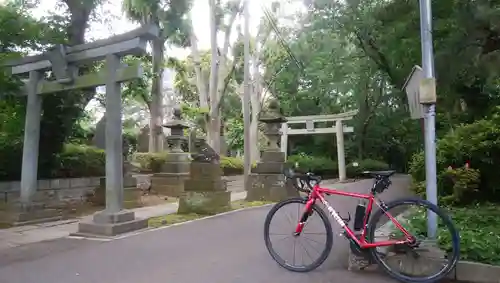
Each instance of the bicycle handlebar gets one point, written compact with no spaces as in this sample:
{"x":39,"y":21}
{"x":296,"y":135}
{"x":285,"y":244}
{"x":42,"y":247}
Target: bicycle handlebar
{"x":304,"y":178}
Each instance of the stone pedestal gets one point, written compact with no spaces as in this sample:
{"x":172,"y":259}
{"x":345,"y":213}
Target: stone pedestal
{"x":358,"y":261}
{"x":267,"y":182}
{"x":175,"y":170}
{"x":24,"y":214}
{"x":170,"y":182}
{"x":105,"y":223}
{"x":108,"y":223}
{"x":205,"y":192}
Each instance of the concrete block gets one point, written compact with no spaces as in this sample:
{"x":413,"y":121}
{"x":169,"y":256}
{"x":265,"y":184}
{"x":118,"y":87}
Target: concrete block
{"x":95,"y":181}
{"x":44,"y":185}
{"x":4,"y":186}
{"x":477,"y":272}
{"x":79,"y":182}
{"x":15,"y":186}
{"x":59,"y":183}
{"x":111,"y":224}
{"x":204,"y":202}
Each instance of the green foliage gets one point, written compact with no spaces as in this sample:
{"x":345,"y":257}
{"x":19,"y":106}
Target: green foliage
{"x":464,"y":182}
{"x":477,"y":143}
{"x":235,"y":134}
{"x":231,"y":165}
{"x":80,"y":161}
{"x":231,"y":162}
{"x":478,"y":229}
{"x":365,"y":165}
{"x":150,"y":161}
{"x":153,"y":162}
{"x":318,"y":165}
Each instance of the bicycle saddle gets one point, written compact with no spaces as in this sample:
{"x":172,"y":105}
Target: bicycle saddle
{"x":379,"y":174}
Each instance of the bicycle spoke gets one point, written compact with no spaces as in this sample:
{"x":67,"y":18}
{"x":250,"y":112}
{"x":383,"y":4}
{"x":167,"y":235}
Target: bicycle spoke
{"x":294,"y":242}
{"x":312,"y":240}
{"x":290,"y":259}
{"x":306,"y":251}
{"x":312,"y":245}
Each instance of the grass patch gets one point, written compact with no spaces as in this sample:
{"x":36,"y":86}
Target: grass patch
{"x":478,"y":229}
{"x":170,"y":219}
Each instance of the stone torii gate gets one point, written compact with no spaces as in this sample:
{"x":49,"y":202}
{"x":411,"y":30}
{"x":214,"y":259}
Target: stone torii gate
{"x":339,"y":129}
{"x":64,"y":62}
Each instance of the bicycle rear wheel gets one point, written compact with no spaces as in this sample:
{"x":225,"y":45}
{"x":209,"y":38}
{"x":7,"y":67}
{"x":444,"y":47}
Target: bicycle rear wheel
{"x":290,"y":264}
{"x":424,"y":261}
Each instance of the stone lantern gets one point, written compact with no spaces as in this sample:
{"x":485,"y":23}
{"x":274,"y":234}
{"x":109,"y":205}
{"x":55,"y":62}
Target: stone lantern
{"x":267,"y":181}
{"x":170,"y":181}
{"x":176,"y":126}
{"x":272,"y":117}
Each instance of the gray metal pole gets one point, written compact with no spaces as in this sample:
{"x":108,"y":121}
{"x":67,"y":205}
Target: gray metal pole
{"x":430,"y":113}
{"x":246,"y":96}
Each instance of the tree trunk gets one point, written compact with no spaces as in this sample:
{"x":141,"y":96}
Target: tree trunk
{"x":156,"y":119}
{"x":254,"y":125}
{"x":213,"y":129}
{"x":200,"y":81}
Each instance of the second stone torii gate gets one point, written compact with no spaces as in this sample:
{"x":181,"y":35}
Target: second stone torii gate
{"x":339,"y":129}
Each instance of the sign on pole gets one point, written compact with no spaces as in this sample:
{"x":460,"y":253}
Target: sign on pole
{"x":412,"y":89}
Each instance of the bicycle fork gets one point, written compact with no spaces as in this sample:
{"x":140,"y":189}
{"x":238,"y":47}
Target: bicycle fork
{"x":308,"y":211}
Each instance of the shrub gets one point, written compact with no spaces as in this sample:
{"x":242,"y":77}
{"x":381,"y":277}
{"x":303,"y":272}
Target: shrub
{"x":365,"y":165}
{"x":477,"y":228}
{"x":231,"y":165}
{"x":464,"y":183}
{"x":477,"y":143}
{"x":150,"y":161}
{"x":318,"y":165}
{"x":11,"y":152}
{"x":80,"y":161}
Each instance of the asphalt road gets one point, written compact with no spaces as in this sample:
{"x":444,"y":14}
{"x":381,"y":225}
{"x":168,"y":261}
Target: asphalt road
{"x":224,"y":249}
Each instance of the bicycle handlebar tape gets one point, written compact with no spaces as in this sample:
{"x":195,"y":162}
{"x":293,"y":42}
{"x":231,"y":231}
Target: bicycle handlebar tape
{"x":267,"y":181}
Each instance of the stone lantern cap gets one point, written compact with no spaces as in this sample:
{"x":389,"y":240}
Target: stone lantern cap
{"x":272,"y":113}
{"x":176,"y":121}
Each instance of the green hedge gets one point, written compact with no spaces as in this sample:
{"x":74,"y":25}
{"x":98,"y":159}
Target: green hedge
{"x":328,"y":168}
{"x":153,"y":161}
{"x":365,"y":165}
{"x":149,"y":161}
{"x":80,"y":161}
{"x":477,"y":143}
{"x":318,"y":165}
{"x":73,"y":162}
{"x":231,"y":165}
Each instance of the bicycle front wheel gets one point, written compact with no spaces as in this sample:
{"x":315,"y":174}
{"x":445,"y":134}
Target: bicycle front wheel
{"x":313,"y":245}
{"x":424,"y":260}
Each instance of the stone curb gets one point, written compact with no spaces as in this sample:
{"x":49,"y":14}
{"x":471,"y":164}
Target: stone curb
{"x":467,"y":271}
{"x":475,"y":272}
{"x":187,"y":222}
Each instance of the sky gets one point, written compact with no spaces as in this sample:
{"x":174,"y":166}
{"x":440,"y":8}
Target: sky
{"x":118,"y":23}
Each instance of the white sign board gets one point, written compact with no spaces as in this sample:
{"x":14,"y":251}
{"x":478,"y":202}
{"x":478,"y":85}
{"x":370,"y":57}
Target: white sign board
{"x":412,"y":89}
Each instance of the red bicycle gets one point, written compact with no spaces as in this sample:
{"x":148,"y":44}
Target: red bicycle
{"x":364,"y":239}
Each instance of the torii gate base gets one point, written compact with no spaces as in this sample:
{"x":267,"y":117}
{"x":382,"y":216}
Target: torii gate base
{"x":338,"y":129}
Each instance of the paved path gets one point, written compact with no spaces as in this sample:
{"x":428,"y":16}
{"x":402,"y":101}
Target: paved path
{"x":223,"y":249}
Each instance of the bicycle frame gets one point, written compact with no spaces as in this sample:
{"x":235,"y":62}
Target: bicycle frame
{"x":318,"y":193}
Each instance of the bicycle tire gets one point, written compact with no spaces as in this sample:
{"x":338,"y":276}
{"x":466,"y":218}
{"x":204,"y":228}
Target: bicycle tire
{"x":329,"y":236}
{"x":446,"y":220}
